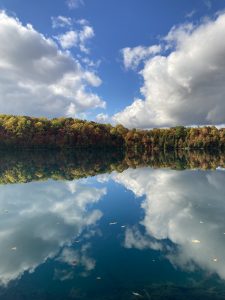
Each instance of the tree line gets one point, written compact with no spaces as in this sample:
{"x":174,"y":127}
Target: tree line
{"x":21,"y":166}
{"x":29,"y":132}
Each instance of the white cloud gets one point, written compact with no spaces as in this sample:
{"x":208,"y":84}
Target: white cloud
{"x":41,"y":219}
{"x":85,"y":34}
{"x":61,"y":21}
{"x":183,"y":207}
{"x":133,"y":56}
{"x":68,"y":39}
{"x":37,"y":78}
{"x":67,"y":22}
{"x":102,"y":118}
{"x":186,"y":86}
{"x":90,"y":63}
{"x":76,"y":38}
{"x":83,"y":22}
{"x":72,"y":4}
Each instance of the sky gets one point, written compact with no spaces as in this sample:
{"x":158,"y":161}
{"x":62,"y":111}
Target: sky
{"x":140,"y":63}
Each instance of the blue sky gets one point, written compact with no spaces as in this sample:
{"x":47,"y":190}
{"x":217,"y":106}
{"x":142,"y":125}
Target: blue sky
{"x":116,"y":25}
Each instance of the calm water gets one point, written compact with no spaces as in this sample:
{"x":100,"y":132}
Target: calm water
{"x":135,"y":233}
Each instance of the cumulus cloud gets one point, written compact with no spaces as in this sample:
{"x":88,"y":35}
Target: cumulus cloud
{"x":69,"y":39}
{"x":133,"y":56}
{"x":41,"y":220}
{"x":76,"y":38}
{"x":186,"y":86}
{"x":185,"y":207}
{"x":37,"y":78}
{"x":78,"y":33}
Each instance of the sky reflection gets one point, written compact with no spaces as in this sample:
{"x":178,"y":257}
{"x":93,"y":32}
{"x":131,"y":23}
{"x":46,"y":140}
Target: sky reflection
{"x":176,"y":218}
{"x":185,"y":207}
{"x":37,"y":219}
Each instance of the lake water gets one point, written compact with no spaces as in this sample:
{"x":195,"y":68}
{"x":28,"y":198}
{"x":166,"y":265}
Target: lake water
{"x":112,"y":226}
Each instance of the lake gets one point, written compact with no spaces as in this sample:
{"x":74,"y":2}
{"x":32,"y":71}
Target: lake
{"x":111,"y":225}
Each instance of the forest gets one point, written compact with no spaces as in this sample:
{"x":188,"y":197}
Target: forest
{"x":60,"y":133}
{"x":21,"y":166}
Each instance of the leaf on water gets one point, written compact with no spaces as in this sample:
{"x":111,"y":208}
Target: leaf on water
{"x":195,"y":241}
{"x":136,"y":294}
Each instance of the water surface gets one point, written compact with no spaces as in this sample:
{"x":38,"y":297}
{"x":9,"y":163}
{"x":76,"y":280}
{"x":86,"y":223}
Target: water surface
{"x":112,"y":226}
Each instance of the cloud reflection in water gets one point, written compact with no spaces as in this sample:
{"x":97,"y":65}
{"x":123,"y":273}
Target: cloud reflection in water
{"x":37,"y":219}
{"x":186,"y":207}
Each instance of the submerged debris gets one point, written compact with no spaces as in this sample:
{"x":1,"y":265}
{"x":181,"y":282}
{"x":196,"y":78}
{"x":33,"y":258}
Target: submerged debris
{"x":113,"y":223}
{"x":195,"y":241}
{"x":136,"y":294}
{"x":14,"y":248}
{"x":98,"y":278}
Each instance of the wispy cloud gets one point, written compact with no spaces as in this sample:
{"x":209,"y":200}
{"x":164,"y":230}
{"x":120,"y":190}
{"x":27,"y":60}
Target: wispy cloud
{"x":208,"y":4}
{"x":61,"y":21}
{"x":102,"y":118}
{"x":190,"y":14}
{"x":73,"y":4}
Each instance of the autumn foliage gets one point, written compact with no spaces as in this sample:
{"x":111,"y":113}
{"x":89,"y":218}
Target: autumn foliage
{"x":21,"y":166}
{"x":22,"y":131}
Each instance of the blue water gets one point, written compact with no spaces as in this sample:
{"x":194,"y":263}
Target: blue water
{"x":142,"y":233}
